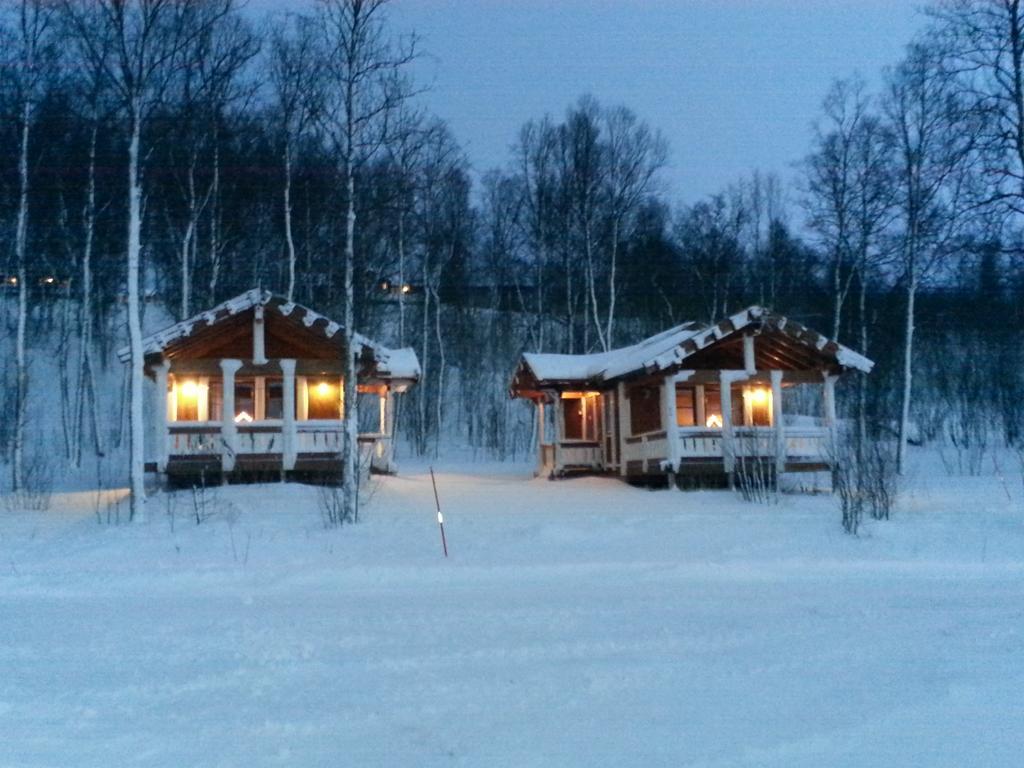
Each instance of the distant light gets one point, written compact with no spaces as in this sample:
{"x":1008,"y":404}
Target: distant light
{"x":385,"y":286}
{"x":406,"y":288}
{"x":12,"y":280}
{"x":49,"y":280}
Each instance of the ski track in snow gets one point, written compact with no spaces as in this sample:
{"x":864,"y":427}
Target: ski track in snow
{"x":577,"y":623}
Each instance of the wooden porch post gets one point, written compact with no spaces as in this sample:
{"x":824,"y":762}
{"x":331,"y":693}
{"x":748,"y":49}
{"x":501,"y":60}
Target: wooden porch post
{"x":669,"y":422}
{"x":540,"y":436}
{"x":387,"y":428}
{"x":725,"y":397}
{"x":228,"y":429}
{"x":779,"y":427}
{"x":829,"y":395}
{"x":556,"y":451}
{"x":288,"y":435}
{"x":700,"y":409}
{"x":624,"y":425}
{"x":160,"y":436}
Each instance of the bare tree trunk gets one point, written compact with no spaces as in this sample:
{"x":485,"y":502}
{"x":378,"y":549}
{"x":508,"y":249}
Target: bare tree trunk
{"x":21,"y":352}
{"x":350,"y":483}
{"x":87,"y":376}
{"x":421,"y":440}
{"x":612,"y":288}
{"x":592,"y":285}
{"x":439,"y":400}
{"x":837,"y":296}
{"x":188,"y":240}
{"x":570,"y":342}
{"x":401,"y":278}
{"x":136,"y":424}
{"x":862,"y":381}
{"x":215,"y":244}
{"x":289,"y":239}
{"x":541,"y":261}
{"x":908,"y":356}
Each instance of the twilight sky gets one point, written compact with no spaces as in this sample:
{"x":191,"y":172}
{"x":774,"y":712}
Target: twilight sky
{"x":732,"y":84}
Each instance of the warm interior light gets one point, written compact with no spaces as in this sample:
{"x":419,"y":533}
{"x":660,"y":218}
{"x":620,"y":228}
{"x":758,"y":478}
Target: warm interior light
{"x":323,"y":389}
{"x":190,"y":389}
{"x":243,"y":418}
{"x":758,"y":396}
{"x":714,"y":421}
{"x":579,"y":395}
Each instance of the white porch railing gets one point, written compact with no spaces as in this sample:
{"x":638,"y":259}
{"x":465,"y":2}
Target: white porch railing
{"x":204,"y":438}
{"x":260,"y":438}
{"x":649,"y":447}
{"x":570,"y":455}
{"x":808,"y":442}
{"x":801,"y":442}
{"x":199,"y":438}
{"x":696,"y":443}
{"x":318,"y":436}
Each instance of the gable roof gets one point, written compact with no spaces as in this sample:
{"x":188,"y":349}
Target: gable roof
{"x":671,"y":348}
{"x":389,"y":363}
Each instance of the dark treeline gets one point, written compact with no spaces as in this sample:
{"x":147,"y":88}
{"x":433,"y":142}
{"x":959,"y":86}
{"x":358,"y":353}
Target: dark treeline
{"x":900,"y":234}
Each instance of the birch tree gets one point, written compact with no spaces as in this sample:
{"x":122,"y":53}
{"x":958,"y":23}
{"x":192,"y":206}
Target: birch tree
{"x":535,"y":161}
{"x":634,"y":154}
{"x":293,"y":77}
{"x":934,"y":134}
{"x":30,"y":57}
{"x":364,"y":73}
{"x":143,"y":38}
{"x":984,"y":41}
{"x":830,"y":181}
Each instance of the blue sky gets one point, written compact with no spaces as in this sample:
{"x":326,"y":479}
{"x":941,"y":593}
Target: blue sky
{"x":732,"y":84}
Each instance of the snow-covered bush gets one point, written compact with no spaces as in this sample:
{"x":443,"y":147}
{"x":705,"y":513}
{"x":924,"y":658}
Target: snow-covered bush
{"x":864,"y":480}
{"x":37,"y":487}
{"x":755,"y":478}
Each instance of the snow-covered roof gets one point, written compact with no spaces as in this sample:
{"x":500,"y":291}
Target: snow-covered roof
{"x":672,"y":347}
{"x":608,"y":365}
{"x":389,"y":363}
{"x":396,"y":363}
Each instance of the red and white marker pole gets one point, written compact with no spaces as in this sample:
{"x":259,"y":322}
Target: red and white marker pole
{"x":440,"y":517}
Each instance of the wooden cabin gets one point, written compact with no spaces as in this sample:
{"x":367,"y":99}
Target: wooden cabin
{"x":253,"y":388}
{"x":694,"y":403}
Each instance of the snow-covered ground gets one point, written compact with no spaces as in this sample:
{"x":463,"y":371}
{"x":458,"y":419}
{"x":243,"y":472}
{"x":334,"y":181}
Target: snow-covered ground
{"x":581,"y":622}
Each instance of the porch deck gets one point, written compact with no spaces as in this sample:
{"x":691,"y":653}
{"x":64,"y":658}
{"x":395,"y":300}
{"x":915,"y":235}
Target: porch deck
{"x":203,"y":448}
{"x":700,"y":451}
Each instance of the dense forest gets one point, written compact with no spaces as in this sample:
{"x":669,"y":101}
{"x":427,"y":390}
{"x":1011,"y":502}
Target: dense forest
{"x":160,"y":157}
